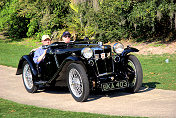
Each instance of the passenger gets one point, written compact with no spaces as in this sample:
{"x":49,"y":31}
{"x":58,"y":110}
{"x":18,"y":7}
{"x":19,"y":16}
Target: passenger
{"x":39,"y":54}
{"x":66,"y":37}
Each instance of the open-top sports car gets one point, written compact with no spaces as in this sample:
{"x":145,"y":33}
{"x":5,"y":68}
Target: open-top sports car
{"x":83,"y":67}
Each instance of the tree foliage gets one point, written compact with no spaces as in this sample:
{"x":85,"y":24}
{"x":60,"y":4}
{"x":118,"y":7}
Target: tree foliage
{"x":104,"y":20}
{"x":33,"y":17}
{"x":141,"y":19}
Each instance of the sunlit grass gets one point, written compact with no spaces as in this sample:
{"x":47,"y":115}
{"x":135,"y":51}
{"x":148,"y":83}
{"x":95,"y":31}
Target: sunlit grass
{"x":11,"y":109}
{"x":10,"y":54}
{"x":157,"y":73}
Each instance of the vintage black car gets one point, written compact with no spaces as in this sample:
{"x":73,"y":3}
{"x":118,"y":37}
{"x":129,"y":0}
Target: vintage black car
{"x":83,"y":67}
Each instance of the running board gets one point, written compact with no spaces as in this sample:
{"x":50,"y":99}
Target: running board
{"x":40,"y":82}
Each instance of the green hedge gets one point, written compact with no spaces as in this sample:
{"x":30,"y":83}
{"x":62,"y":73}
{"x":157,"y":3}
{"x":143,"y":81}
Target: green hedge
{"x":143,"y":20}
{"x":104,"y":20}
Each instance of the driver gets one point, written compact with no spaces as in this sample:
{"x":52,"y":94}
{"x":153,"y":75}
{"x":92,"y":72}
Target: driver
{"x":66,"y":37}
{"x":39,"y":54}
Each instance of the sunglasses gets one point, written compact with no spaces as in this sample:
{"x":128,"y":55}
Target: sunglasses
{"x":67,"y":36}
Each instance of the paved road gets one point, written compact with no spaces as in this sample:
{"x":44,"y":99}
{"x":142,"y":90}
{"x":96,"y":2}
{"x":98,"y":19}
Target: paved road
{"x":148,"y":102}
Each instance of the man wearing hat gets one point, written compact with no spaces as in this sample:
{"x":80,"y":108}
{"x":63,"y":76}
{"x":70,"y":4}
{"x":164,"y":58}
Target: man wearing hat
{"x":39,"y":54}
{"x":66,"y":37}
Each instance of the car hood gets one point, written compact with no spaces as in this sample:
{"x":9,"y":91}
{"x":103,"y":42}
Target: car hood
{"x":77,"y":46}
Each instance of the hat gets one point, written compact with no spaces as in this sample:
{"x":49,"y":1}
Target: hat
{"x":45,"y":37}
{"x":66,"y":33}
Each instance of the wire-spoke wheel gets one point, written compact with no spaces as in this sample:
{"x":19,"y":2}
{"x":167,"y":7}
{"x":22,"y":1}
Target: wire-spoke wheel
{"x":134,"y":73}
{"x":78,"y":82}
{"x":28,"y":78}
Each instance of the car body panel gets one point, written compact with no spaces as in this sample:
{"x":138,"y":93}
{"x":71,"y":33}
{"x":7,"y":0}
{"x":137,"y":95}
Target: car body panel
{"x":102,"y":67}
{"x":30,"y":62}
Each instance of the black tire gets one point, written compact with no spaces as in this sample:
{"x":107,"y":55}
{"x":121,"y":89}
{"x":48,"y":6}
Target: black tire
{"x":28,"y":78}
{"x":78,"y":83}
{"x":134,"y":73}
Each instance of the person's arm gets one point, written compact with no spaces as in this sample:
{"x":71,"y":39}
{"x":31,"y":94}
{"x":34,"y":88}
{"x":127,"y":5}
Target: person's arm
{"x":33,"y":50}
{"x":38,"y":55}
{"x":41,"y":57}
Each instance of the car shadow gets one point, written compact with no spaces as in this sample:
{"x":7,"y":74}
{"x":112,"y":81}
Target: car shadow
{"x":150,"y":84}
{"x":146,"y":87}
{"x":95,"y":95}
{"x":54,"y":90}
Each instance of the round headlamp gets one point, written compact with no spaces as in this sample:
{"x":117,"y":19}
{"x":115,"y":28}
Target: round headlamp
{"x":118,"y":48}
{"x":87,"y":52}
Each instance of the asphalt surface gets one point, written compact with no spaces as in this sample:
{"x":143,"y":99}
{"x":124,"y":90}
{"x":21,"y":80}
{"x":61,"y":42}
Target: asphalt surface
{"x":148,"y":102}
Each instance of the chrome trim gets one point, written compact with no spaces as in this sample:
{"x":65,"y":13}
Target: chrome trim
{"x":108,"y":54}
{"x":114,"y":47}
{"x":88,"y":44}
{"x":99,"y":56}
{"x":105,"y":74}
{"x":113,"y":65}
{"x":91,"y":62}
{"x":97,"y":67}
{"x":96,"y":56}
{"x":82,"y":52}
{"x":56,"y":60}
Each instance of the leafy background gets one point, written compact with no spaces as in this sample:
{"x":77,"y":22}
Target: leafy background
{"x":102,"y":20}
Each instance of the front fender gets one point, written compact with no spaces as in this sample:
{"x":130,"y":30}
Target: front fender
{"x":69,"y":60}
{"x":30,"y":62}
{"x":128,"y":50}
{"x":65,"y":64}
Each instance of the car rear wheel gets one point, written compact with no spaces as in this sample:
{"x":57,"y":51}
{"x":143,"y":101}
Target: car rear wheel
{"x":134,"y":73}
{"x":28,"y":78}
{"x":78,"y":82}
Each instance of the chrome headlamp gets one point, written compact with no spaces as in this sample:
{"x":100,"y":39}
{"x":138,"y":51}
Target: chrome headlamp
{"x":118,"y":48}
{"x":87,"y":52}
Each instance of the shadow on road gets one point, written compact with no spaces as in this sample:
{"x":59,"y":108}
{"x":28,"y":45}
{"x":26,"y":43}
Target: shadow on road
{"x":54,"y":90}
{"x":150,"y":84}
{"x":117,"y":93}
{"x":99,"y":94}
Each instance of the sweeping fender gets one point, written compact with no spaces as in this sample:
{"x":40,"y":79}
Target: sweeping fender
{"x":128,"y":50}
{"x":30,"y":62}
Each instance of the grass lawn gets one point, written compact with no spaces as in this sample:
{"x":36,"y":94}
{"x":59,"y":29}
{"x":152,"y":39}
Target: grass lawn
{"x":157,"y":73}
{"x":11,"y":53}
{"x":11,"y":109}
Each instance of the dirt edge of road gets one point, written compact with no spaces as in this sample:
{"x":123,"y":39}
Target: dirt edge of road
{"x":150,"y":47}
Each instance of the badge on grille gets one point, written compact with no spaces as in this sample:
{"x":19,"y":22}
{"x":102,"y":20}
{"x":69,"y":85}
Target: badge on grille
{"x":103,"y":55}
{"x":96,"y":56}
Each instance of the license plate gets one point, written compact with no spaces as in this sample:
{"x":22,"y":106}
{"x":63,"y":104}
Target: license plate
{"x":114,"y":85}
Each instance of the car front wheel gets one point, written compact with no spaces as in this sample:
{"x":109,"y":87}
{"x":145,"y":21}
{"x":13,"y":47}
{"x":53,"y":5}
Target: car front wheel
{"x":134,"y":73}
{"x":28,"y":78}
{"x":78,"y":82}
